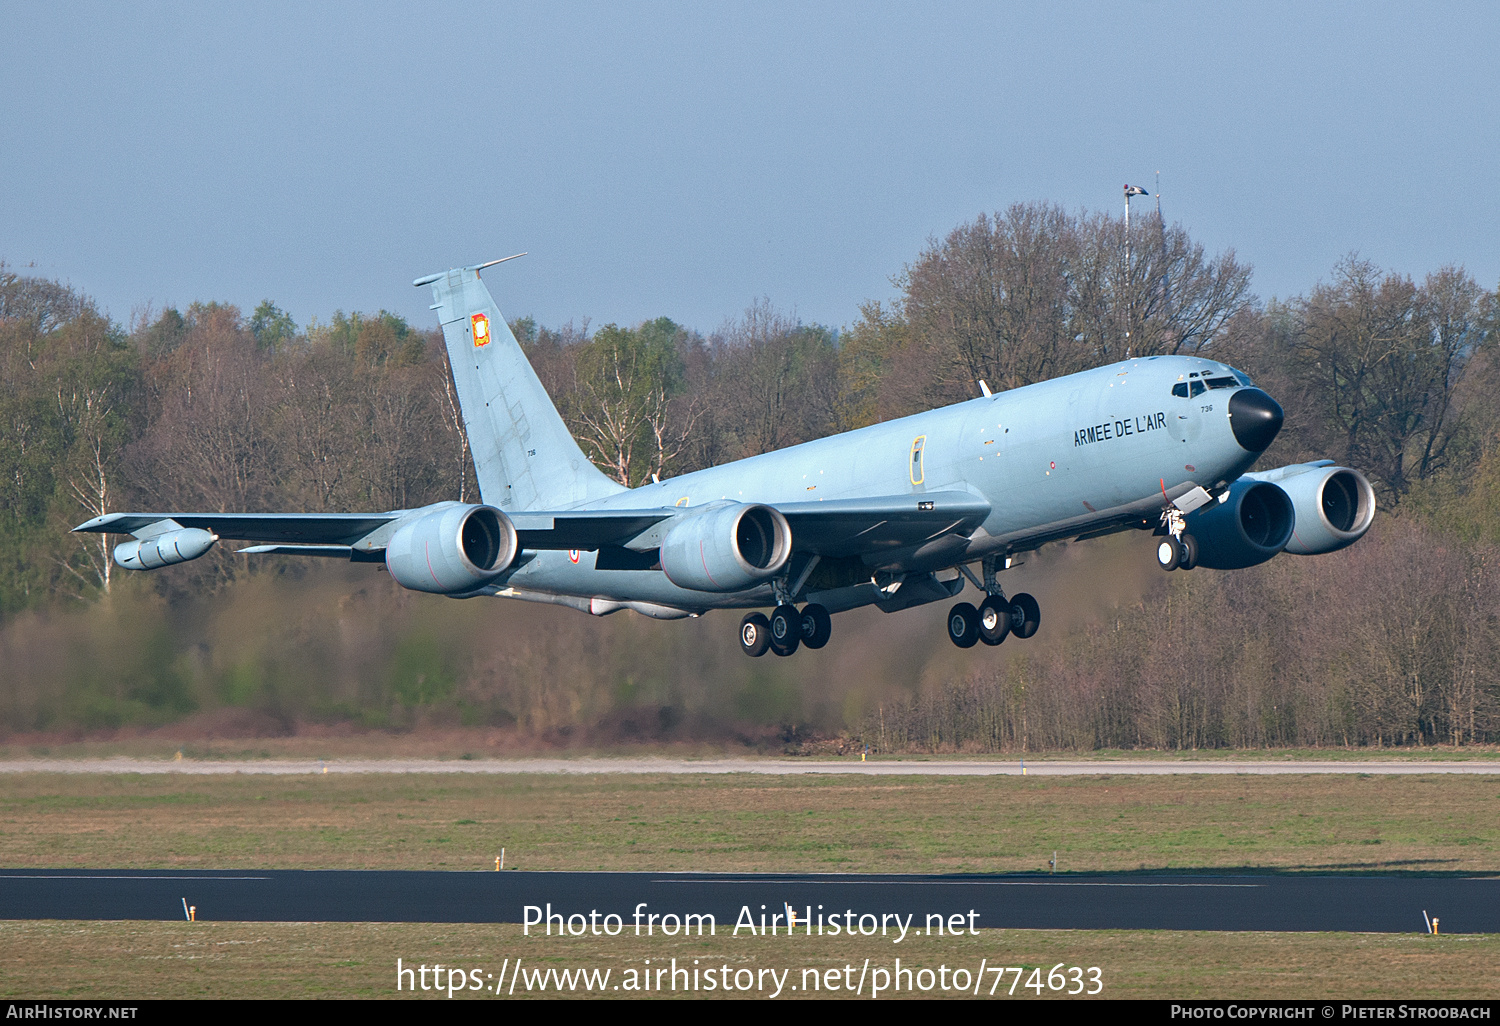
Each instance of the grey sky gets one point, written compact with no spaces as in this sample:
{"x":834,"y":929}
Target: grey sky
{"x":685,"y":159}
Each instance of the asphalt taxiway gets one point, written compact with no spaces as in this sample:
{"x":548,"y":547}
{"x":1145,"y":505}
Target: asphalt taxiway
{"x":1127,"y":901}
{"x":769,"y":767}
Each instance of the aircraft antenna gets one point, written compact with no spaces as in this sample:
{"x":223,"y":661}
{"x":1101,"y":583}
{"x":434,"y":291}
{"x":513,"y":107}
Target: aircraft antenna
{"x":1129,"y":306}
{"x":1166,"y":285}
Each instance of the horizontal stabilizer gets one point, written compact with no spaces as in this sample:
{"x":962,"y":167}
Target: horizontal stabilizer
{"x":428,"y":279}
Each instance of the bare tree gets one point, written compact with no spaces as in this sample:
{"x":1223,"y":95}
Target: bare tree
{"x":453,"y":422}
{"x":626,"y":399}
{"x":1385,"y":359}
{"x":1035,"y":292}
{"x":90,"y":485}
{"x":776,"y":380}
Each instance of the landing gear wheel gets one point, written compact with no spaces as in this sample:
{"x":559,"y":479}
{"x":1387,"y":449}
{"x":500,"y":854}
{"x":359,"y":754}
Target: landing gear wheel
{"x":1168,"y":553}
{"x":1026,"y":616}
{"x":817,"y":625}
{"x":1189,"y":552}
{"x":755,"y":634}
{"x":785,"y":630}
{"x":963,"y":625}
{"x":994,"y":620}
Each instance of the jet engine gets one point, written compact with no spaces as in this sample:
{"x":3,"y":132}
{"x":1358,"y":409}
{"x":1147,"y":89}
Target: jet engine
{"x":1334,"y":506}
{"x":726,"y":548}
{"x":1252,"y":524}
{"x":164,"y":549}
{"x":452,"y":549}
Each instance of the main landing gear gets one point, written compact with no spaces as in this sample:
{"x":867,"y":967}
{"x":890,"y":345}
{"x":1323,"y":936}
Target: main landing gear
{"x":785,"y":629}
{"x":997,"y":616}
{"x":1176,"y":550}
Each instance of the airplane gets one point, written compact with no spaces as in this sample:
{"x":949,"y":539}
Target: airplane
{"x":895,"y":515}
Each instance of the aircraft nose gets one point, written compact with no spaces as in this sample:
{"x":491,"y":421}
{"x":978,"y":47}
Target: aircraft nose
{"x":1255,"y":418}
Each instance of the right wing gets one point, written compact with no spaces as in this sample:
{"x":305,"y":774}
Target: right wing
{"x":830,"y":528}
{"x":364,"y":535}
{"x":305,"y":528}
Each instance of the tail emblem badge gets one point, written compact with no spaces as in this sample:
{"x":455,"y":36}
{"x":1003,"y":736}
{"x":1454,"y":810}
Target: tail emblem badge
{"x":481,"y":325}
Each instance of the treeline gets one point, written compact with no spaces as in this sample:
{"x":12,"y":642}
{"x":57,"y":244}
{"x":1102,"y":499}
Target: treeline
{"x":1396,"y":641}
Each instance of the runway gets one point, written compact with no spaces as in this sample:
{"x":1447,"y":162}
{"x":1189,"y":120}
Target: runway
{"x":770,"y":767}
{"x":1126,"y":901}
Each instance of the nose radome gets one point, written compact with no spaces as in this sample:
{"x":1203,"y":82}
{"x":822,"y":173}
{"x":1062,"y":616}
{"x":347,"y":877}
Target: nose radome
{"x":1255,"y":418}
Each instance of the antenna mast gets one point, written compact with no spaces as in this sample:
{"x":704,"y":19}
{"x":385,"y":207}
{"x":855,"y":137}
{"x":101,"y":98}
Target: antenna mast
{"x":1166,"y":287}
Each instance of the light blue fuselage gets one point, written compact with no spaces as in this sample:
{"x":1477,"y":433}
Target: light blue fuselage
{"x":1101,"y":450}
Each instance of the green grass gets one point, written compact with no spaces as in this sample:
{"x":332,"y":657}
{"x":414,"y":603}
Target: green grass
{"x":126,"y":960}
{"x":479,"y":743}
{"x":1431,"y":824}
{"x":742,"y":823}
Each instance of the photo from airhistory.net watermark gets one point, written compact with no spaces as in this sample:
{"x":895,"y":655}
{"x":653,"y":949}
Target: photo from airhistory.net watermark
{"x":873,"y":977}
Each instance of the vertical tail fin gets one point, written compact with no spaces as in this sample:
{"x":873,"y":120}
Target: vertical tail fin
{"x":524,"y":456}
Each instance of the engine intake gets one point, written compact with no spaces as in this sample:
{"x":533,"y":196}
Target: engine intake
{"x":1334,"y":508}
{"x":1253,"y":524}
{"x":726,"y":548}
{"x":452,"y":549}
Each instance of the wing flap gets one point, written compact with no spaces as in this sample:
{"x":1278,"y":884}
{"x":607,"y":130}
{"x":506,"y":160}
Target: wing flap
{"x":848,"y":527}
{"x":585,"y":529}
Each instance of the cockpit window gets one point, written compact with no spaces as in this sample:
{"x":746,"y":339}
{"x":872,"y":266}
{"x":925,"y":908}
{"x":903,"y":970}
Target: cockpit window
{"x":1224,"y":382}
{"x":1184,"y":389}
{"x":1180,"y":390}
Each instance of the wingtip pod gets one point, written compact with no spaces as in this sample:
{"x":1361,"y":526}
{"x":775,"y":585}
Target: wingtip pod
{"x":164,"y":549}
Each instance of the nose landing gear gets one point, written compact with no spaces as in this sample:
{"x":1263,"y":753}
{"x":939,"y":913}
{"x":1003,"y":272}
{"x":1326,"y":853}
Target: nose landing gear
{"x":1176,"y":550}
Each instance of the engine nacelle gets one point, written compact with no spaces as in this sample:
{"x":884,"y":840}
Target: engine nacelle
{"x":164,"y":549}
{"x":452,"y":549}
{"x":1250,"y":526}
{"x":1334,"y":507}
{"x":727,"y":548}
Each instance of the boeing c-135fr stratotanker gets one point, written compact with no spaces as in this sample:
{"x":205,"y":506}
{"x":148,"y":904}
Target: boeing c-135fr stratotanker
{"x":895,"y":515}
